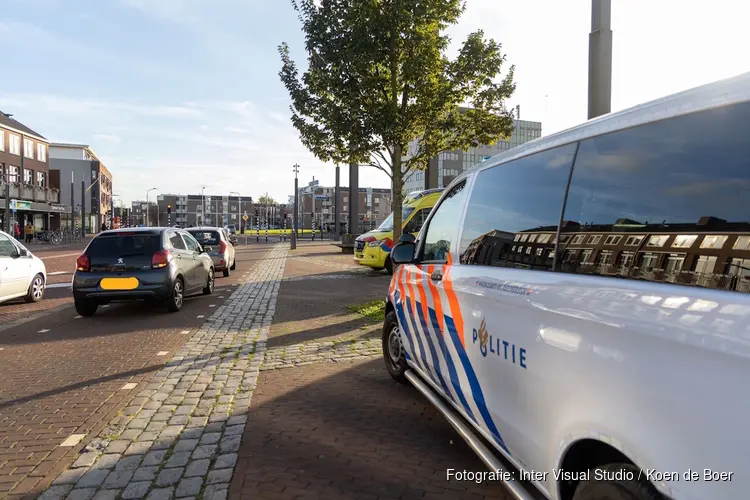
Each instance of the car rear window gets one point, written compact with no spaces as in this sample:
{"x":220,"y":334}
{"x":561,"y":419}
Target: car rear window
{"x":206,"y":237}
{"x":119,"y":245}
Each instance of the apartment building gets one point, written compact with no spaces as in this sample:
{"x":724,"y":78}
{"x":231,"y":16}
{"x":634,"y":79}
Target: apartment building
{"x":24,"y":166}
{"x":317,"y":205}
{"x":85,"y":185}
{"x":450,"y":164}
{"x":190,"y":210}
{"x":143,"y":213}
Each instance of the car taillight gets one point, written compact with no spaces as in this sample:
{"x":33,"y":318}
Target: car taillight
{"x":161,"y":259}
{"x":83,"y":263}
{"x":222,"y":247}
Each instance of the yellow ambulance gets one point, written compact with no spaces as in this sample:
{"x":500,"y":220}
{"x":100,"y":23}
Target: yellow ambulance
{"x":373,"y":249}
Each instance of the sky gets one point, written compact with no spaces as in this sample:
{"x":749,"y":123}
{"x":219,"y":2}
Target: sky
{"x":181,"y":94}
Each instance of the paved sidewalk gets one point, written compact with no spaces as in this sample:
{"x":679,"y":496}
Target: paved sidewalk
{"x":179,"y":438}
{"x":326,"y":419}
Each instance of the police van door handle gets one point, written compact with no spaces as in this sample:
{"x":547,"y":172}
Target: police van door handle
{"x":436,"y":275}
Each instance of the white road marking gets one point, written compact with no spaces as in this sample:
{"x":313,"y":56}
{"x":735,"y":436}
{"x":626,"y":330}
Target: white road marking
{"x":78,"y":317}
{"x":60,"y":256}
{"x":105,"y":305}
{"x":162,"y":353}
{"x":200,"y":316}
{"x":73,"y":440}
{"x":185,"y":332}
{"x":221,"y":296}
{"x":44,"y":330}
{"x":212,"y":305}
{"x":128,"y":386}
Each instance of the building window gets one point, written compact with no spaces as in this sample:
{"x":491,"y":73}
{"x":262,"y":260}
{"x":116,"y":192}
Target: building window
{"x":684,"y":240}
{"x":650,"y":261}
{"x":41,"y":152}
{"x":742,"y":243}
{"x":28,"y":176}
{"x":633,"y":241}
{"x":705,"y":265}
{"x":2,"y":140}
{"x":625,"y":259}
{"x":544,"y":238}
{"x":12,"y":174}
{"x":657,"y":240}
{"x":674,"y":263}
{"x":578,"y":239}
{"x":14,"y":143}
{"x":740,"y":267}
{"x":40,"y":179}
{"x":594,"y":240}
{"x":586,"y":256}
{"x":612,"y":240}
{"x":28,"y":148}
{"x":605,"y":258}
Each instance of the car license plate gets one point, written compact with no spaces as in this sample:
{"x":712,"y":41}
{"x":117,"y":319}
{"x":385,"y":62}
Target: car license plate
{"x":119,"y":283}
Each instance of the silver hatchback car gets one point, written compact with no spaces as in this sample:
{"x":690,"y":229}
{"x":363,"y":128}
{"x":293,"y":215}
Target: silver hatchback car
{"x":221,"y":248}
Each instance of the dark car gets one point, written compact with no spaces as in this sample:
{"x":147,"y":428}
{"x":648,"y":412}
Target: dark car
{"x":154,"y":264}
{"x":222,"y":248}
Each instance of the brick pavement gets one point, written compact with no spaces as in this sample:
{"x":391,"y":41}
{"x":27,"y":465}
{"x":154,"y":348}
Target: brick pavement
{"x":63,"y":375}
{"x":180,"y":436}
{"x":326,"y":420}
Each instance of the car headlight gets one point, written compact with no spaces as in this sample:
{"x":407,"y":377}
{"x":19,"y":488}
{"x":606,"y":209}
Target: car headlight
{"x":373,"y":244}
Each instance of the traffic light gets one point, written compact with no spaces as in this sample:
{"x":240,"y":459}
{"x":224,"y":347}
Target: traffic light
{"x":169,"y":209}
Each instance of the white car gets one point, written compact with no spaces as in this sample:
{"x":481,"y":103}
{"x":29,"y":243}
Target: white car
{"x":22,"y":274}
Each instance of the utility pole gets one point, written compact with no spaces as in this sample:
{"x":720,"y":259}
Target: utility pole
{"x":336,"y":206}
{"x":296,"y":207}
{"x":600,"y":58}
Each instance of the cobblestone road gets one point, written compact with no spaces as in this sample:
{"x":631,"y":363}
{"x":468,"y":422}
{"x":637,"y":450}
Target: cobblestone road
{"x":180,"y":436}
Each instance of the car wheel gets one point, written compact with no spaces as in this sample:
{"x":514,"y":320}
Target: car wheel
{"x":176,"y":297}
{"x":234,"y":264}
{"x":393,"y":351}
{"x":210,"y":284}
{"x":227,"y":272}
{"x":86,"y":307}
{"x":613,"y":487}
{"x":389,"y":265}
{"x":36,"y":289}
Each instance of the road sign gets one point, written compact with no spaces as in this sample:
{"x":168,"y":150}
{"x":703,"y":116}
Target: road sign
{"x":321,"y":197}
{"x":245,"y":217}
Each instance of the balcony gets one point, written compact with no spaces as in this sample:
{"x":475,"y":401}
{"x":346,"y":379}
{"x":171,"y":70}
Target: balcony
{"x":27,"y":192}
{"x":53,"y":196}
{"x":40,"y":194}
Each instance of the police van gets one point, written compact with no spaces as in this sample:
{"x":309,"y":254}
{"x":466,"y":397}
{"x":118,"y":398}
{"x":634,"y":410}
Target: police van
{"x":578,"y":306}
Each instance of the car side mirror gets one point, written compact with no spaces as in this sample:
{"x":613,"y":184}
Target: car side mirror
{"x":22,"y":252}
{"x":407,"y":238}
{"x":403,"y":253}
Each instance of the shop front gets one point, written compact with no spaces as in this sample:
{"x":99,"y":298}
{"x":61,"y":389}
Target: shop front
{"x":43,"y":216}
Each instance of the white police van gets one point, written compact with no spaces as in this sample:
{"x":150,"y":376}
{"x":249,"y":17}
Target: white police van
{"x":578,"y":306}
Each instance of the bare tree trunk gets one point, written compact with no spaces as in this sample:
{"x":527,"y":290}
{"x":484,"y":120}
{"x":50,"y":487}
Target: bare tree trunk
{"x":397,"y":186}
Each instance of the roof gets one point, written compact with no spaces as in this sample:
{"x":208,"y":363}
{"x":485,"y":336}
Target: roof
{"x":68,"y":145}
{"x":13,"y":124}
{"x":724,"y":92}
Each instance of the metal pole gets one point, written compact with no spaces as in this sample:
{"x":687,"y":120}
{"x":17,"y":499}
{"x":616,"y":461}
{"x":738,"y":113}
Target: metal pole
{"x":295,"y":219}
{"x":73,"y":220}
{"x":83,"y":209}
{"x":337,"y":207}
{"x":600,"y":58}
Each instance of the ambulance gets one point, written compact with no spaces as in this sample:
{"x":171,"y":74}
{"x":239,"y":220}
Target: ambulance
{"x":578,"y":307}
{"x":373,"y":249}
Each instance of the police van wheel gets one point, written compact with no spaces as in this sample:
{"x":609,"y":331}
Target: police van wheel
{"x":393,"y":351}
{"x":389,"y":265}
{"x":614,"y":487}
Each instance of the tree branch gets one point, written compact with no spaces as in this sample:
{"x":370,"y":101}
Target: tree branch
{"x":379,"y":167}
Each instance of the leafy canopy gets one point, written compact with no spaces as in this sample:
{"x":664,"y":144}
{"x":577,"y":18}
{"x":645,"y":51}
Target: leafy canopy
{"x":379,"y":79}
{"x":266,"y":200}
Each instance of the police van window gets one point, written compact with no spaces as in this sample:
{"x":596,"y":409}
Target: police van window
{"x":681,"y":185}
{"x":416,"y":222}
{"x":517,"y":201}
{"x":443,"y":227}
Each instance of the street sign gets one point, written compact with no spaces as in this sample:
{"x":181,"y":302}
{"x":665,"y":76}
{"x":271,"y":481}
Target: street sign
{"x":245,"y":217}
{"x":20,"y":205}
{"x":321,"y":197}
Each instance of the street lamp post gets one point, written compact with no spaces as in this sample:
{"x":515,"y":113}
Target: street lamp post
{"x":203,"y":207}
{"x":296,"y":207}
{"x":148,"y":222}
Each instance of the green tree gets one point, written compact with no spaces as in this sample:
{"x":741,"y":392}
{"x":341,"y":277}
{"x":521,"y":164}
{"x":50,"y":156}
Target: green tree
{"x":266,"y":200}
{"x":379,"y":78}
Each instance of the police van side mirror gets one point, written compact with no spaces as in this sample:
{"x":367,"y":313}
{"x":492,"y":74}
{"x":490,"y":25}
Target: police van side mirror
{"x":403,"y":253}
